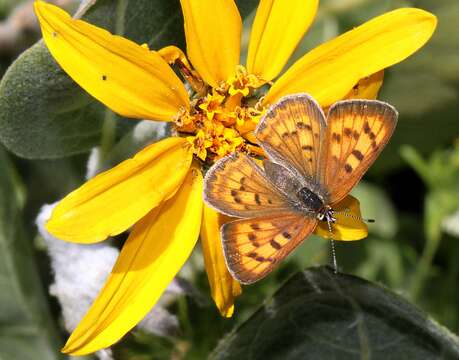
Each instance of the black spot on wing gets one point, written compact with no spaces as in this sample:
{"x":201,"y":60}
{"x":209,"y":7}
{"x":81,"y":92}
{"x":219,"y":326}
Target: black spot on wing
{"x":336,"y":137}
{"x":366,"y":128}
{"x":255,"y":226}
{"x":358,"y":155}
{"x":275,"y":244}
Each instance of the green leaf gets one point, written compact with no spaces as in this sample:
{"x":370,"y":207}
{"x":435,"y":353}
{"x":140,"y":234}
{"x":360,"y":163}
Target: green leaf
{"x":26,"y":327}
{"x":45,"y":116}
{"x":43,"y":113}
{"x":321,"y":315}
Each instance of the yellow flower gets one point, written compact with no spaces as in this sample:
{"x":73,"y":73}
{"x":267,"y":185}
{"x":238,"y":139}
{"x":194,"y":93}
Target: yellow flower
{"x":158,"y":192}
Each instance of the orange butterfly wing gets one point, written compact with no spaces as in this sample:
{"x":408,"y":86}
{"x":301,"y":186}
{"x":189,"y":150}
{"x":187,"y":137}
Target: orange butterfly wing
{"x":291,"y":133}
{"x":253,"y":247}
{"x":330,"y":158}
{"x":357,"y":131}
{"x":237,"y":186}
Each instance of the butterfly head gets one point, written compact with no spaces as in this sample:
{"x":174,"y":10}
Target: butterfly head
{"x":326,"y":214}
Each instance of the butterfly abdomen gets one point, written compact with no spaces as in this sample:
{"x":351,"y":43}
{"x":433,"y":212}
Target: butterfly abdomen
{"x":311,"y":200}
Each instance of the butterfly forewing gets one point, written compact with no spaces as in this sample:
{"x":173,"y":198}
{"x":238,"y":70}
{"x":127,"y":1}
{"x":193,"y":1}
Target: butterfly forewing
{"x":291,"y":132}
{"x":357,"y":131}
{"x":236,"y":186}
{"x":253,"y":247}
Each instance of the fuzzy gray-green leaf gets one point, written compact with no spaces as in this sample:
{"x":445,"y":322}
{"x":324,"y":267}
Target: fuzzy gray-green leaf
{"x":26,"y":327}
{"x":43,"y":113}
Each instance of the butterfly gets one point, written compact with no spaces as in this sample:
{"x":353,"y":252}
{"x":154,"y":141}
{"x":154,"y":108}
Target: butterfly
{"x":313,"y":163}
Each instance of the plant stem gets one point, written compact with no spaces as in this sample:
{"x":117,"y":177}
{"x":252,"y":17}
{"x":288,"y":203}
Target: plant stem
{"x":108,"y":135}
{"x":109,"y":126}
{"x":423,"y":267}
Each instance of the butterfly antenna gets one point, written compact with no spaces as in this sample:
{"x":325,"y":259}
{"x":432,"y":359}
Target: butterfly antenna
{"x":347,"y":213}
{"x":333,"y":250}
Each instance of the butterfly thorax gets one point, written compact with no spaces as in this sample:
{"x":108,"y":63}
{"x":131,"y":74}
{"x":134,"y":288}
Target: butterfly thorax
{"x":310,"y":199}
{"x":314,"y":203}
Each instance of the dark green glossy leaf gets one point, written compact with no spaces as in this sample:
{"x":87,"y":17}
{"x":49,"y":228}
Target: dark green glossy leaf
{"x":26,"y":328}
{"x":320,"y":315}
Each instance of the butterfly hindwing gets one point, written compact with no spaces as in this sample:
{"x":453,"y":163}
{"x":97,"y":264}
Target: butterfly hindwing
{"x":291,"y":132}
{"x":357,"y":131}
{"x":253,"y":247}
{"x":237,"y":186}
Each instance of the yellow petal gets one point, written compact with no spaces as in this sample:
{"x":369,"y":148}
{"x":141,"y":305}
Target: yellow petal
{"x":278,"y":27}
{"x":346,"y":228}
{"x":223,"y":287}
{"x":126,"y":77}
{"x":213,"y":37}
{"x":330,"y":71}
{"x":113,"y":201}
{"x":155,"y":251}
{"x":367,"y":88}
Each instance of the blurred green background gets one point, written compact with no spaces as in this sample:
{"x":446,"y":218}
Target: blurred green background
{"x":412,"y":191}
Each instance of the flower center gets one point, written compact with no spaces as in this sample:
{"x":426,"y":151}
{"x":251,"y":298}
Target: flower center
{"x":222,"y":119}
